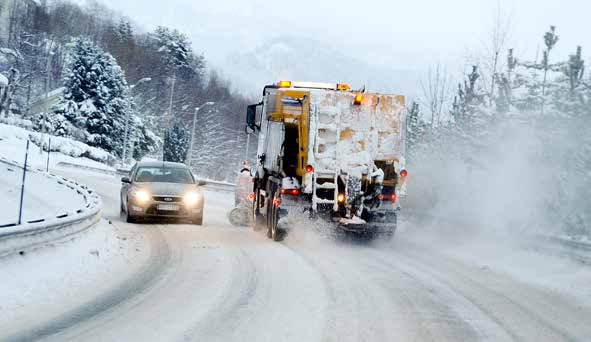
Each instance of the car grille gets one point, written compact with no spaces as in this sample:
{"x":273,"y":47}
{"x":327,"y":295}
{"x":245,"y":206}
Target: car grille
{"x":169,"y":199}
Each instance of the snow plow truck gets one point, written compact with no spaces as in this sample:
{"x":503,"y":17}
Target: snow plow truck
{"x":333,"y":152}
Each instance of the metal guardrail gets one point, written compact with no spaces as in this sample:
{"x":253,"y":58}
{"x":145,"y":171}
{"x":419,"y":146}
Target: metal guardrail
{"x":17,"y":238}
{"x":566,"y":248}
{"x":90,"y":168}
{"x":211,"y":184}
{"x":220,"y":186}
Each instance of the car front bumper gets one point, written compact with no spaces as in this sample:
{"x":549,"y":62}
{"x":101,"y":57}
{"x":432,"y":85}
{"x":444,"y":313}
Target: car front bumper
{"x":154,"y":210}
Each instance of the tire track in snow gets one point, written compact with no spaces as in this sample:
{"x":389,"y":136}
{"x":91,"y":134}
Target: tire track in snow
{"x":138,"y":283}
{"x":504,"y":301}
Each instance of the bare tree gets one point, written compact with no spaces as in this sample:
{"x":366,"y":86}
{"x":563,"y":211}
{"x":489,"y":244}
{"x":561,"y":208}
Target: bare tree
{"x":436,"y":93}
{"x":499,"y":34}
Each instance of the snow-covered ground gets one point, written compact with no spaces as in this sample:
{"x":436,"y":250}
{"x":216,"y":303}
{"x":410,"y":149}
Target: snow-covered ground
{"x":151,"y":282}
{"x":13,"y":142}
{"x":44,"y":197}
{"x":155,"y":282}
{"x":41,"y":285}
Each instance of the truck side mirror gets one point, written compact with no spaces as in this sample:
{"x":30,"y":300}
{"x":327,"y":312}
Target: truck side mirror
{"x":251,"y":113}
{"x":126,"y":180}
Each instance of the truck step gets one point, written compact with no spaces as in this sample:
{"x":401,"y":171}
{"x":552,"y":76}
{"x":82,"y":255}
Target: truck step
{"x":325,"y":173}
{"x":328,"y":127}
{"x":323,"y":201}
{"x":326,"y":185}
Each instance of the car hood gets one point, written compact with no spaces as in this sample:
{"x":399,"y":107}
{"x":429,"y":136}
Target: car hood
{"x":167,"y":189}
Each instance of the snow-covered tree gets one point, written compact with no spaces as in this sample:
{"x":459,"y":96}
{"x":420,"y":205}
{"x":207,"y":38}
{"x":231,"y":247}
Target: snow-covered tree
{"x":95,"y":97}
{"x":176,"y":143}
{"x":143,"y":140}
{"x":52,"y":123}
{"x":415,"y":129}
{"x":174,"y":47}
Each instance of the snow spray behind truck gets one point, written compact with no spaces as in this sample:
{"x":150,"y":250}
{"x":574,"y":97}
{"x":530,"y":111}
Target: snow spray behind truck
{"x":329,"y":150}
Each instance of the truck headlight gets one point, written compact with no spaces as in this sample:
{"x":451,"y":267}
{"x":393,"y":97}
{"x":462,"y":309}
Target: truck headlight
{"x":191,"y":198}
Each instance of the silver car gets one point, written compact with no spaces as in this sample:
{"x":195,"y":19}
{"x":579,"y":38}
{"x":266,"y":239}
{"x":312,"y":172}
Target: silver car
{"x":161,"y":190}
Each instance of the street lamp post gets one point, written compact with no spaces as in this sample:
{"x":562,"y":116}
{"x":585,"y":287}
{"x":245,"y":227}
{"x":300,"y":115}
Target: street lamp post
{"x":189,"y":157}
{"x":128,"y":118}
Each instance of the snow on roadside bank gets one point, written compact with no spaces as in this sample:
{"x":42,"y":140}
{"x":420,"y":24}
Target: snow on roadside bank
{"x":13,"y":142}
{"x":41,"y":285}
{"x":44,"y":197}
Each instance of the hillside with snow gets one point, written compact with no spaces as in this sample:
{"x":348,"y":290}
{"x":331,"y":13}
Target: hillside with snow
{"x":297,"y":58}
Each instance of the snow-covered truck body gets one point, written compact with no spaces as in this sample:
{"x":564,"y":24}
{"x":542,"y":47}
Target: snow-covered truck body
{"x":335,"y":152}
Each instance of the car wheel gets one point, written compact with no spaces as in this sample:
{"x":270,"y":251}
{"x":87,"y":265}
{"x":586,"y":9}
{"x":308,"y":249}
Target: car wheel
{"x":198,"y":221}
{"x":128,"y":217}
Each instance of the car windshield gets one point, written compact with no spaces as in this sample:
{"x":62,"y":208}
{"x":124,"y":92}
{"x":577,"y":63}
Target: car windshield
{"x":164,"y":175}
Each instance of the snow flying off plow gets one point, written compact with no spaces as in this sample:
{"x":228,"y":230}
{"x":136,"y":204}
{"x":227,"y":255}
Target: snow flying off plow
{"x":332,"y":151}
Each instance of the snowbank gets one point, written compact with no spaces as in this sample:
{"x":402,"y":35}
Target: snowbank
{"x":43,"y":197}
{"x":13,"y":120}
{"x":13,"y":140}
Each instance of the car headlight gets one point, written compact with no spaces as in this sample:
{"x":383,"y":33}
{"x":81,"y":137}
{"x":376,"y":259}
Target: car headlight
{"x":191,"y":198}
{"x":141,"y":196}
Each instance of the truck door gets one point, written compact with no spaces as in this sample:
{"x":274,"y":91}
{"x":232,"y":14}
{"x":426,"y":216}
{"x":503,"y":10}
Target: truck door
{"x":274,"y":144}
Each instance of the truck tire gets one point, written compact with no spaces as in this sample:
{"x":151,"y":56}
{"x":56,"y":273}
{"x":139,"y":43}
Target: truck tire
{"x":275,"y":233}
{"x":269,"y":216}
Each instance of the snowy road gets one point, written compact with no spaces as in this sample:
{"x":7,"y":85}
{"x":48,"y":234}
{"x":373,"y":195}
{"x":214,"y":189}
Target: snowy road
{"x":220,"y":283}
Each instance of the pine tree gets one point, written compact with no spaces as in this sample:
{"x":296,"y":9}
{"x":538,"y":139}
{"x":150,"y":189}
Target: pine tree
{"x":174,"y":47}
{"x":143,"y":140}
{"x":95,"y":98}
{"x":176,"y":143}
{"x":415,"y":128}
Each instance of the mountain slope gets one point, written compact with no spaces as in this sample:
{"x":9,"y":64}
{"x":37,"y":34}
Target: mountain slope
{"x":295,"y":58}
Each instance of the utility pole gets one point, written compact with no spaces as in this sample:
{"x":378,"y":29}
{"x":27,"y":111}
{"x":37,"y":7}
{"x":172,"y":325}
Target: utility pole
{"x":170,"y":116}
{"x":47,"y":84}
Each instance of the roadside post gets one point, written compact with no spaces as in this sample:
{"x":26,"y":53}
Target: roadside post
{"x":20,"y":210}
{"x":48,"y":153}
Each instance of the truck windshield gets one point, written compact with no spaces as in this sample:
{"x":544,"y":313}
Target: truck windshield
{"x":164,"y":175}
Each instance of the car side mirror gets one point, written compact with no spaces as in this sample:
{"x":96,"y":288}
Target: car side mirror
{"x":201,"y":183}
{"x":126,"y":180}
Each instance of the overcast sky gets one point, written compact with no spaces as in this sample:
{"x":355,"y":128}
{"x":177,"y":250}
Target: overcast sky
{"x":411,"y":33}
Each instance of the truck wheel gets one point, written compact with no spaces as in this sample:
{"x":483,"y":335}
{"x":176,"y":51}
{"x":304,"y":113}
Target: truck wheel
{"x":269,"y":216}
{"x":275,"y":233}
